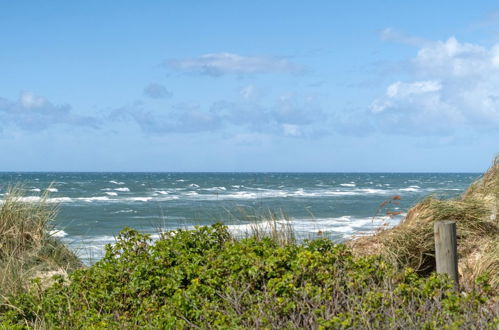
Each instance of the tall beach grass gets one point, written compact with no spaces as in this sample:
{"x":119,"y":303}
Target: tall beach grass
{"x":27,"y":246}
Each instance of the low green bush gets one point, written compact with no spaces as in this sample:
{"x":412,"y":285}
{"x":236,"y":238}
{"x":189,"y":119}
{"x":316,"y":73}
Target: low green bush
{"x":205,"y":278}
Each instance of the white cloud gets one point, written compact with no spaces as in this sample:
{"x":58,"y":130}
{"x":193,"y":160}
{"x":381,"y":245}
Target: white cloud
{"x":291,"y":130}
{"x":400,"y":89}
{"x":453,"y":59}
{"x":35,"y":113}
{"x":31,"y":101}
{"x":248,"y":92}
{"x":390,"y":34}
{"x":455,"y":85}
{"x":217,"y":64}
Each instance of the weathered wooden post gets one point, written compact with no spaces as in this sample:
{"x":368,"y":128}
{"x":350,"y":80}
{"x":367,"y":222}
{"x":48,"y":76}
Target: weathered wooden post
{"x":446,"y":250}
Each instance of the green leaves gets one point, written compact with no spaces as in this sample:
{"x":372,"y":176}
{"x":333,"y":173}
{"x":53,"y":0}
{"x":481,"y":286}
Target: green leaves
{"x":204,"y":277}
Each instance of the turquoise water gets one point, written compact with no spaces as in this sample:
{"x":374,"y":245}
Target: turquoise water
{"x":95,"y":206}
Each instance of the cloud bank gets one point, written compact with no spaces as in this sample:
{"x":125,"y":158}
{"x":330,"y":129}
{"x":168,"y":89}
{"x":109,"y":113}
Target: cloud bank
{"x":454,"y":86}
{"x":35,"y":113}
{"x":288,"y":116}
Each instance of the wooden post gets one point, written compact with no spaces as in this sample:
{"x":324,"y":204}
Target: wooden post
{"x":446,"y":250}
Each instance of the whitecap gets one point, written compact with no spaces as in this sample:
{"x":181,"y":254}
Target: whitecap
{"x":351,"y":184}
{"x":162,"y":192}
{"x":300,"y":192}
{"x":52,"y":189}
{"x":215,"y":189}
{"x":342,"y":229}
{"x":111,"y":193}
{"x":58,"y":233}
{"x":35,"y":189}
{"x":37,"y":199}
{"x":116,"y":182}
{"x":167,"y":198}
{"x":124,"y":189}
{"x":94,"y":199}
{"x":124,"y":211}
{"x":60,"y":200}
{"x":371,"y":191}
{"x":409,"y":189}
{"x":193,"y":185}
{"x":29,"y":199}
{"x":138,"y":199}
{"x":240,"y":195}
{"x":342,"y":225}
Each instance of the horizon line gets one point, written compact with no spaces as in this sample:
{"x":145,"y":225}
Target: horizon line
{"x":248,"y":172}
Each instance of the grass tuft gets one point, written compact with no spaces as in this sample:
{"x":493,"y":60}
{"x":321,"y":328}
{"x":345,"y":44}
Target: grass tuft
{"x":411,"y":243}
{"x":27,"y":248}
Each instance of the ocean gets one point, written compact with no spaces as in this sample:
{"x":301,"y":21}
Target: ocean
{"x":94,"y":207}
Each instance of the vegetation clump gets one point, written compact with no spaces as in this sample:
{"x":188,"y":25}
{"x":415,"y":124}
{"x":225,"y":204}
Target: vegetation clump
{"x":204,"y":278}
{"x":411,"y":243}
{"x":27,"y":248}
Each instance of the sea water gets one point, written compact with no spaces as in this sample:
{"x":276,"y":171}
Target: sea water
{"x":94,"y":207}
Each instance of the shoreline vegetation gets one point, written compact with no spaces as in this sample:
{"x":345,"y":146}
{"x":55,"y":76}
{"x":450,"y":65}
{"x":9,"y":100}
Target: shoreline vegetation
{"x":208,"y":278}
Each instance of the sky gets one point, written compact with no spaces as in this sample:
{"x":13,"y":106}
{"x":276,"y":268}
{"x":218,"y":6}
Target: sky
{"x":259,"y":86}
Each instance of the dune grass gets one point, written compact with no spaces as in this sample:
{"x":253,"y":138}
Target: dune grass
{"x":27,"y":248}
{"x":411,"y":243}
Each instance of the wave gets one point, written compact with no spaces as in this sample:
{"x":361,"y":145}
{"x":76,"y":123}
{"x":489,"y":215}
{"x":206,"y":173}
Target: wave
{"x":409,"y":189}
{"x":218,"y":193}
{"x":116,"y":182}
{"x":351,"y":184}
{"x":137,"y":199}
{"x":344,"y":226}
{"x":162,"y":192}
{"x":91,"y":248}
{"x":124,"y":211}
{"x":58,"y":233}
{"x":93,"y":199}
{"x":215,"y":189}
{"x":59,"y":200}
{"x":36,"y":199}
{"x":52,"y":189}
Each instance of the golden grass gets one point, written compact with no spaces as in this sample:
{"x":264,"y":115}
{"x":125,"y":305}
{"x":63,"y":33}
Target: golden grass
{"x":411,"y":243}
{"x":26,"y":247}
{"x":276,"y":225}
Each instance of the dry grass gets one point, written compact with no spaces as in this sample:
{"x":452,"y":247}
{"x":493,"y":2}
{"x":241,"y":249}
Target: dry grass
{"x":26,"y":247}
{"x":276,"y":225}
{"x":412,"y":242}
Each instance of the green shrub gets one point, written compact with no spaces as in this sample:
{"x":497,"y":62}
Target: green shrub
{"x":205,"y":278}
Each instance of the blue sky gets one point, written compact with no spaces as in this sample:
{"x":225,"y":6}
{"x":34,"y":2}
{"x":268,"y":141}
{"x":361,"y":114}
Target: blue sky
{"x":248,"y":86}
